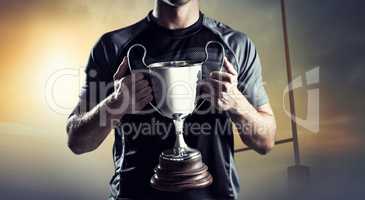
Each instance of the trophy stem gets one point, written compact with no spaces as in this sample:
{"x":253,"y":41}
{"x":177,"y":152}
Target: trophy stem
{"x":180,"y":144}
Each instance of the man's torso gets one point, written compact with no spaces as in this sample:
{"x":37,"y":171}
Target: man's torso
{"x":147,"y":135}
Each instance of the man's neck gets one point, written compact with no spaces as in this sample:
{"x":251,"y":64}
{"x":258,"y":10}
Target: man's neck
{"x":176,"y":17}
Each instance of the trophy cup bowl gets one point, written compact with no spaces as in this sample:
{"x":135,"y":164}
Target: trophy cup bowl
{"x":174,"y":86}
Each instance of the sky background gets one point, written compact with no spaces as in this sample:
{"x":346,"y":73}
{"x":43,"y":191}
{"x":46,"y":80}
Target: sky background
{"x":40,"y":37}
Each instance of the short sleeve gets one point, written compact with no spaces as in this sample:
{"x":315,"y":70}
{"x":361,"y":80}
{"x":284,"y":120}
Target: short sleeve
{"x":250,"y":81}
{"x":98,"y":83}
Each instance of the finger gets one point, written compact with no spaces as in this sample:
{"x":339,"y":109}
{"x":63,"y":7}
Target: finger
{"x":137,"y":76}
{"x":213,"y":99}
{"x":218,"y":86}
{"x":143,"y":102}
{"x":209,"y":86}
{"x":141,"y":85}
{"x":122,"y":69}
{"x":143,"y":93}
{"x":133,"y":79}
{"x":229,"y":67}
{"x":203,"y":85}
{"x":217,"y":101}
{"x":220,"y":104}
{"x":223,"y":76}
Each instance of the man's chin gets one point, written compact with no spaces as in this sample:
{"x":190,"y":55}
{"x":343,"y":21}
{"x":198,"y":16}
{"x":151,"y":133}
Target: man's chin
{"x":176,"y":3}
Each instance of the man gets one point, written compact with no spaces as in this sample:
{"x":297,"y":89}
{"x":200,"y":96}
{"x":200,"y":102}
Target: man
{"x":174,"y":30}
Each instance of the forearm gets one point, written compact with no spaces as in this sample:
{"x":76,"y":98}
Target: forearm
{"x":257,"y":129}
{"x":88,"y":130}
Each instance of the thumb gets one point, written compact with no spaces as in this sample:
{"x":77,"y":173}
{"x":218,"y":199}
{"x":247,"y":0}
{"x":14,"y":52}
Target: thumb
{"x":229,"y":67}
{"x":122,"y":69}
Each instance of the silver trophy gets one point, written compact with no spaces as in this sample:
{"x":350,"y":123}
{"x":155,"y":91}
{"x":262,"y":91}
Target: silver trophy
{"x":174,"y":86}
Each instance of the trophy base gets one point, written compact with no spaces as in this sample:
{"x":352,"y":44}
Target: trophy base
{"x":181,"y":172}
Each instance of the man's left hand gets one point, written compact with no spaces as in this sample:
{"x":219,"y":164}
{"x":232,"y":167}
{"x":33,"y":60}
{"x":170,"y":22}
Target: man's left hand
{"x":221,"y":88}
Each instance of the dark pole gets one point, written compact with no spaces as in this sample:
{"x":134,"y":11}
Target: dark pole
{"x":298,"y":175}
{"x":294,"y":138}
{"x":291,"y":92}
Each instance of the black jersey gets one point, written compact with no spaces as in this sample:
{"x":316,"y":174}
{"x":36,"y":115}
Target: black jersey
{"x":140,"y":139}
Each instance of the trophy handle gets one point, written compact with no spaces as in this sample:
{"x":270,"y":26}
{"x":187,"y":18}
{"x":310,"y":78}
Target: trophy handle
{"x":207,"y":53}
{"x":143,"y":58}
{"x":144,"y":63}
{"x":206,"y":60}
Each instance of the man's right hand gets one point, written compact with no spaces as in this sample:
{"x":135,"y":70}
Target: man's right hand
{"x":131,"y":92}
